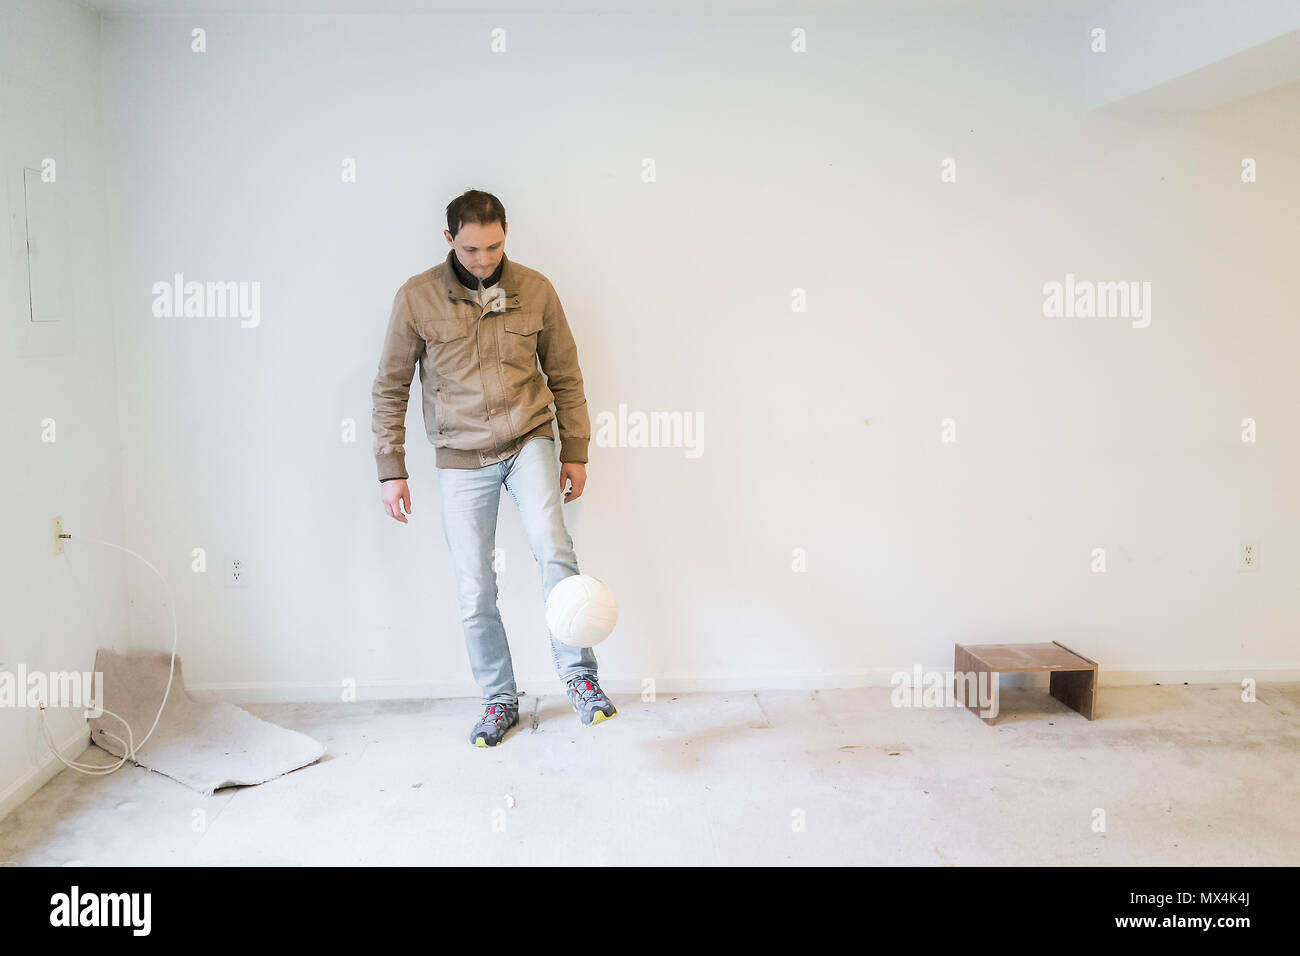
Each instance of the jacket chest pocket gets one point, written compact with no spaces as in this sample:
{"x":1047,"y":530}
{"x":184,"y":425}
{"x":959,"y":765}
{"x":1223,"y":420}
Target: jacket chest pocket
{"x":448,"y":345}
{"x":519,"y":341}
{"x":443,"y":330}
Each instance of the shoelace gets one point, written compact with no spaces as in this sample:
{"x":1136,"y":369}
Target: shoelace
{"x":495,"y":713}
{"x":587,"y":690}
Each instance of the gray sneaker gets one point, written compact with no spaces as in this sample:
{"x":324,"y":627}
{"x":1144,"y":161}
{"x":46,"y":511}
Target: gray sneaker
{"x":492,"y":726}
{"x":589,"y":700}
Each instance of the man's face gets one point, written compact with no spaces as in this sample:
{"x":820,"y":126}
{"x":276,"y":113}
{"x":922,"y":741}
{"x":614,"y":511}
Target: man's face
{"x":479,"y":248}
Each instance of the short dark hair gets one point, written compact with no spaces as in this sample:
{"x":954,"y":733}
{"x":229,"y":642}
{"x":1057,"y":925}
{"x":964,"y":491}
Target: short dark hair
{"x":476,"y":206}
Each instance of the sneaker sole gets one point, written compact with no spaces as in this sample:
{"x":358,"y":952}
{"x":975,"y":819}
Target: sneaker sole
{"x":482,"y":741}
{"x":599,"y":717}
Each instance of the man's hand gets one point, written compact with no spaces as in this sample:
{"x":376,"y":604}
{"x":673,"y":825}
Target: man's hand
{"x":397,"y":491}
{"x":576,"y":473}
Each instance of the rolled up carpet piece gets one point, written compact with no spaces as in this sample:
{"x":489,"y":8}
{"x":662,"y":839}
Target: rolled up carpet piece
{"x":204,"y":745}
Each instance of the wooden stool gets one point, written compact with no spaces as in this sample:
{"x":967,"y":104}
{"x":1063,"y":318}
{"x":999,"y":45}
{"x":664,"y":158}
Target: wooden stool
{"x":1073,"y":679}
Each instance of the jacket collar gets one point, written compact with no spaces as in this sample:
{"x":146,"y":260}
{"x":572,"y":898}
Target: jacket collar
{"x":502,"y":274}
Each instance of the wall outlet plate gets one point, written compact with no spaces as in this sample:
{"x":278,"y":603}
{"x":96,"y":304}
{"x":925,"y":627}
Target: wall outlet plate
{"x":1248,"y":556}
{"x":236,"y":573}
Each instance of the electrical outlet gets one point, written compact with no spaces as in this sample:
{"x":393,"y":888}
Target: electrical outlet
{"x":1248,"y":556}
{"x":237,"y":573}
{"x":58,"y":531}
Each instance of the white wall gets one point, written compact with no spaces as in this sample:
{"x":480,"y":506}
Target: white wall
{"x":776,"y":171}
{"x":55,"y":611}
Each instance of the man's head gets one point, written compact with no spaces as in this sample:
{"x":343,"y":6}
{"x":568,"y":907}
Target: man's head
{"x":476,"y":229}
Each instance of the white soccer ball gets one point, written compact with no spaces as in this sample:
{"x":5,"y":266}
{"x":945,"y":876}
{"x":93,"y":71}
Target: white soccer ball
{"x":581,"y":610}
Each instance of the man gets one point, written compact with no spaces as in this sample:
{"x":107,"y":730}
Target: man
{"x":477,"y":325}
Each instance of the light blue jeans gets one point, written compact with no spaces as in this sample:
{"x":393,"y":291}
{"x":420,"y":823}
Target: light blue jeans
{"x":471,"y":498}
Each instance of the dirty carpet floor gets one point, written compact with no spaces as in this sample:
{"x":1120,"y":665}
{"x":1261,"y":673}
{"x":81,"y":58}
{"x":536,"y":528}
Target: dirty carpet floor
{"x":1166,"y":775}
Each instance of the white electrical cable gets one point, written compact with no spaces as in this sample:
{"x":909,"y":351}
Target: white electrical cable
{"x":130,"y":748}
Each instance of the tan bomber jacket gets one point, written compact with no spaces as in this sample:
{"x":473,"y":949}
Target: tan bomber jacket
{"x":483,"y":392}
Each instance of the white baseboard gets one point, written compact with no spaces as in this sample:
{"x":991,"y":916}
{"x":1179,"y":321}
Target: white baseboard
{"x":250,"y":693}
{"x":17,"y":792}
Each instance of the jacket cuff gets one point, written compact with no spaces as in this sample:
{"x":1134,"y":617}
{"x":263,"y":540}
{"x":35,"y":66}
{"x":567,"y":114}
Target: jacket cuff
{"x":392,"y":465}
{"x":574,"y":450}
